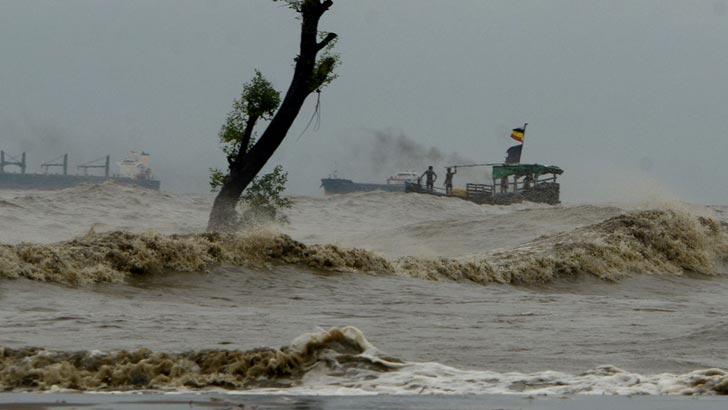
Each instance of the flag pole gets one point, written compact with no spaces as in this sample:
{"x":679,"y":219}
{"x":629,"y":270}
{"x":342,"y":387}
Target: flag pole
{"x":523,"y":143}
{"x":474,"y":165}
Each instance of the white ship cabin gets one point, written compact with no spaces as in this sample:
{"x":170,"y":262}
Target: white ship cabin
{"x":136,"y":166}
{"x":400,"y":178}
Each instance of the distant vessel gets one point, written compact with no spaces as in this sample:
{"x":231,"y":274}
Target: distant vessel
{"x":402,"y":178}
{"x":136,"y":166}
{"x":134,"y":170}
{"x":395,"y":183}
{"x":513,"y":182}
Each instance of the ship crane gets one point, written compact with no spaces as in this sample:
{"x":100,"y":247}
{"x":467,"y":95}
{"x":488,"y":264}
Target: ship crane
{"x":21,"y":163}
{"x":94,"y":164}
{"x":52,"y":164}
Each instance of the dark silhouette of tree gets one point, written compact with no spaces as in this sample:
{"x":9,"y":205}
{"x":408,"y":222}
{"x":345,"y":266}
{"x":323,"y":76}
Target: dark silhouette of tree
{"x":263,"y":195}
{"x":311,"y":73}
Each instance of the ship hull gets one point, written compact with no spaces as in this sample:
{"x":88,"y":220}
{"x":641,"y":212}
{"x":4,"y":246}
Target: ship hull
{"x":52,"y":182}
{"x":545,"y":193}
{"x":346,"y":186}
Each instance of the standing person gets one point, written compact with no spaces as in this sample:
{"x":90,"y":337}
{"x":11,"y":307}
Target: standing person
{"x":528,"y":181}
{"x":448,"y":180}
{"x":430,"y":179}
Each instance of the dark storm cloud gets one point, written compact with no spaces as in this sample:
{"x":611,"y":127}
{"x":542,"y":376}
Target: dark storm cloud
{"x":603,"y":85}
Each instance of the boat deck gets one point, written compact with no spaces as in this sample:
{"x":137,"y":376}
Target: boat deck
{"x":546,"y":191}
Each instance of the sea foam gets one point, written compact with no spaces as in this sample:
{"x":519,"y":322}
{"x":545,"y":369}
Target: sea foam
{"x":337,"y":361}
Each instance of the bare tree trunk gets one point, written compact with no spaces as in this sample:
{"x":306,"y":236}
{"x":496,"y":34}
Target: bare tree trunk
{"x":247,"y":165}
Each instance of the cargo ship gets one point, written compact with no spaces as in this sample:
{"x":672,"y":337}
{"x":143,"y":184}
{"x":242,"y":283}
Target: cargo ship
{"x":133,"y":170}
{"x":395,"y":183}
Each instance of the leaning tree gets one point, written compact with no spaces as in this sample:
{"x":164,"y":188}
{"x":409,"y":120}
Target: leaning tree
{"x":311,"y":72}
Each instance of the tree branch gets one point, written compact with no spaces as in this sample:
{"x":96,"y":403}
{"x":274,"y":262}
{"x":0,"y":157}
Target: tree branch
{"x":246,"y":136}
{"x":329,"y":38}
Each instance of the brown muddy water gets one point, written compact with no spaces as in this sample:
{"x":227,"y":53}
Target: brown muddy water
{"x":553,"y":300}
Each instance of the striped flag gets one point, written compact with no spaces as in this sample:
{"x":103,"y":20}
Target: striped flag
{"x":518,"y":134}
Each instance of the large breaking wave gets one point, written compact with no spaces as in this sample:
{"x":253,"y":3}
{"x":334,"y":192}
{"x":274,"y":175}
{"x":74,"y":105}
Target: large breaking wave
{"x":647,"y":242}
{"x":114,"y":256}
{"x":334,"y":361}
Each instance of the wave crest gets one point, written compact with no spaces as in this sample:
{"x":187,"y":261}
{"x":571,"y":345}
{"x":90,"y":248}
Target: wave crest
{"x":334,"y":361}
{"x":655,"y":241}
{"x":33,"y":369}
{"x":113,"y":256}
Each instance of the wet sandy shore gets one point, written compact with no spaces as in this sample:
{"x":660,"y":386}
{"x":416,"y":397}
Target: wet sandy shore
{"x":20,"y":401}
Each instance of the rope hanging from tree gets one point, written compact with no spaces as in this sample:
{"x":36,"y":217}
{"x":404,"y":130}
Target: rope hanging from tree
{"x":316,"y":115}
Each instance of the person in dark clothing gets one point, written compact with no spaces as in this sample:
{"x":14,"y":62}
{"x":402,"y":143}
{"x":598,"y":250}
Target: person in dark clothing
{"x":528,"y":181}
{"x":430,"y":179}
{"x":448,"y":180}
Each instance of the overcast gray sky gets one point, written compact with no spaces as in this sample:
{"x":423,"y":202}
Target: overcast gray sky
{"x":629,"y":97}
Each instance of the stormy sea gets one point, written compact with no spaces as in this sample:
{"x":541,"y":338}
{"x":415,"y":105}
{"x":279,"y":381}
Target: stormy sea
{"x":115,"y":297}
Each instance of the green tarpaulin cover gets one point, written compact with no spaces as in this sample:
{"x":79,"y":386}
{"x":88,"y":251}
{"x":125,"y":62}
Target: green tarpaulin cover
{"x":502,"y":171}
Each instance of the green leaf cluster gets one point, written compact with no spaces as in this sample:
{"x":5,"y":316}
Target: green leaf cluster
{"x":292,"y":4}
{"x":217,"y":179}
{"x":263,"y":197}
{"x":326,"y":64}
{"x":259,"y":100}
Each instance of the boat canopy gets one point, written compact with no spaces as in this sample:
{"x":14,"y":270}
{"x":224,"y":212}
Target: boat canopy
{"x":503,"y":171}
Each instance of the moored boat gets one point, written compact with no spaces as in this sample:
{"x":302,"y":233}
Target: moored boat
{"x":512,"y":183}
